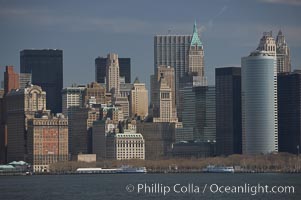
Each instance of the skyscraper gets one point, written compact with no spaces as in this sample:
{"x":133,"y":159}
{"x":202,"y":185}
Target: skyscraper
{"x":46,"y":68}
{"x":199,"y":112}
{"x":47,"y":141}
{"x":112,"y":74}
{"x":72,"y":98}
{"x":11,"y":79}
{"x":259,"y":122}
{"x":139,"y":100}
{"x":21,"y":105}
{"x":169,"y":76}
{"x":196,"y":55}
{"x":182,"y":52}
{"x":124,"y":69}
{"x":283,"y":54}
{"x":289,"y":111}
{"x":228,"y":110}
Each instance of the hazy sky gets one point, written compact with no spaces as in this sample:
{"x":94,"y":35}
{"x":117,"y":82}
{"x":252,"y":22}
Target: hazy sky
{"x":86,"y":29}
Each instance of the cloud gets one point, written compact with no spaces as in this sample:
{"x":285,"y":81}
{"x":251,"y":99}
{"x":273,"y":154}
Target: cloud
{"x":211,"y":21}
{"x":286,"y":2}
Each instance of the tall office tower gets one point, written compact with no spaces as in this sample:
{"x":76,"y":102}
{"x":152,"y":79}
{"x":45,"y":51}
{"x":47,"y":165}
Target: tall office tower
{"x":169,"y":76}
{"x":228,"y":110}
{"x":24,"y":79}
{"x":164,"y":111}
{"x":11,"y":79}
{"x":139,"y":100}
{"x":289,"y":111}
{"x":196,"y":55}
{"x":112,"y":74}
{"x":81,"y":124}
{"x":199,"y":112}
{"x":174,"y":51}
{"x":21,"y":105}
{"x":259,"y":122}
{"x":94,"y":90}
{"x":268,"y":44}
{"x":124,"y":69}
{"x":72,"y":98}
{"x":46,"y":68}
{"x":47,"y":141}
{"x":283,"y":54}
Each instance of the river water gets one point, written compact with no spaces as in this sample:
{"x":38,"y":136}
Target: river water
{"x":151,"y":186}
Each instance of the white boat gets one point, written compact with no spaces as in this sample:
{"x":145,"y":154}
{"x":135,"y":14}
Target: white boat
{"x":122,"y":169}
{"x":219,"y":169}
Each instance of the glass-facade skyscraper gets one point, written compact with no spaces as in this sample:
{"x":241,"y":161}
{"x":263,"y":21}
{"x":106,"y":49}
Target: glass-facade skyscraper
{"x":46,"y":69}
{"x":228,"y":110}
{"x":259,"y":103}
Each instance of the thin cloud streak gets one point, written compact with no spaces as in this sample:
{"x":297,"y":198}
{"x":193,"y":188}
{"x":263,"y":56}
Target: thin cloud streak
{"x":285,"y":2}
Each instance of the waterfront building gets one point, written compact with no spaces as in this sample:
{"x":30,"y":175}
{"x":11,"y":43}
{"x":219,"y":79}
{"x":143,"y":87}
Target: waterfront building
{"x":289,"y":111}
{"x":22,"y":104}
{"x":158,"y":137}
{"x":47,"y":141}
{"x":46,"y":68}
{"x":228,"y":110}
{"x":259,"y":103}
{"x":125,"y":146}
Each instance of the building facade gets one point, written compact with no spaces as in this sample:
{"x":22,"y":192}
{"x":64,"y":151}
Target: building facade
{"x":112,"y":75}
{"x":289,"y":111}
{"x":47,"y":141}
{"x":259,"y":121}
{"x":46,"y":68}
{"x":228,"y":110}
{"x":22,"y":104}
{"x":139,"y":100}
{"x":283,"y":54}
{"x":185,"y":54}
{"x":11,"y":79}
{"x":125,"y":146}
{"x":124,"y":69}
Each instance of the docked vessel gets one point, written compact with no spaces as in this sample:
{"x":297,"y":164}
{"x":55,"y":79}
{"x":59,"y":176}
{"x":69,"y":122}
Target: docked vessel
{"x":121,"y":170}
{"x":219,"y":169}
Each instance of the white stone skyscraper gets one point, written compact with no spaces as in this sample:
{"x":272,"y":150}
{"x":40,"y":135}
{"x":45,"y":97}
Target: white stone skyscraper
{"x":112,"y":74}
{"x":283,"y":54}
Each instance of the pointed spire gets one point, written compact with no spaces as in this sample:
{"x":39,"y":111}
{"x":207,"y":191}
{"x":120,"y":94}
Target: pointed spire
{"x":136,"y":80}
{"x":195,"y":37}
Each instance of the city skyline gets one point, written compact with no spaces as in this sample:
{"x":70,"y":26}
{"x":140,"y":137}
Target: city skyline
{"x":91,"y":30}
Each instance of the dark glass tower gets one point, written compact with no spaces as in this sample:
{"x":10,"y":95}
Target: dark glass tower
{"x":228,"y":110}
{"x":46,"y":68}
{"x":289,"y":111}
{"x":124,"y":69}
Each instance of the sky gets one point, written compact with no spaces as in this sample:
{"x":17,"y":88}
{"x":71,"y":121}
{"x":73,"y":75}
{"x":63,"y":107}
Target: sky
{"x":86,"y":29}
